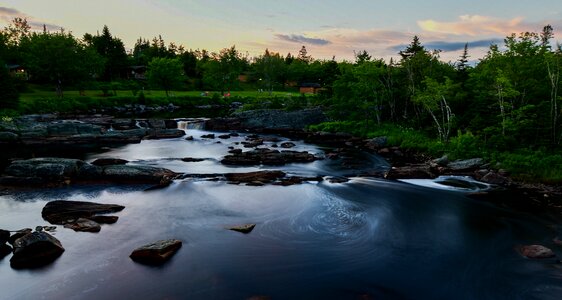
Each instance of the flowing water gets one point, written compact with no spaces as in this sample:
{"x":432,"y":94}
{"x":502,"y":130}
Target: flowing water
{"x":364,"y":239}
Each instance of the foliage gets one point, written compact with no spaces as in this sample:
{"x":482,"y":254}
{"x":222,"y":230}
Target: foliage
{"x":165,"y":73}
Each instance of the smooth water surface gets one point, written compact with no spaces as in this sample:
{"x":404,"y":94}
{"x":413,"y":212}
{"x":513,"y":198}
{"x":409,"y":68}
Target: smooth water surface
{"x":364,"y":239}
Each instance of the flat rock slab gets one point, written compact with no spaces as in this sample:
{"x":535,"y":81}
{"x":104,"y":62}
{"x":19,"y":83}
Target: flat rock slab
{"x":536,"y":251}
{"x":157,"y":252}
{"x":34,"y":250}
{"x":246,"y":228}
{"x":268,"y":157}
{"x":60,"y":212}
{"x":109,"y":161}
{"x":259,"y":176}
{"x":84,"y":225}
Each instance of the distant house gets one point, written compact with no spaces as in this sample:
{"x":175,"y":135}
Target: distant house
{"x":18,"y":71}
{"x":309,"y":88}
{"x":137,"y":72}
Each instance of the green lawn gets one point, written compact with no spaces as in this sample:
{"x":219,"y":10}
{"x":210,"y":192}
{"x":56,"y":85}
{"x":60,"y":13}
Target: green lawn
{"x":39,"y":93}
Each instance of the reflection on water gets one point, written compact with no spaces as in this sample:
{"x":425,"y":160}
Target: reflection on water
{"x":365,"y":239}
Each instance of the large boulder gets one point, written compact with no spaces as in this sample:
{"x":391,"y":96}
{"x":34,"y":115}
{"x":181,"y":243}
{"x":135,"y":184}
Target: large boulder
{"x":4,"y":250}
{"x":157,"y":252}
{"x":47,"y":167}
{"x":84,"y":225}
{"x":268,"y":157}
{"x":136,"y":174}
{"x":536,"y":251}
{"x":18,"y":234}
{"x":35,"y":249}
{"x":466,"y":165}
{"x":62,"y":212}
{"x":4,"y":236}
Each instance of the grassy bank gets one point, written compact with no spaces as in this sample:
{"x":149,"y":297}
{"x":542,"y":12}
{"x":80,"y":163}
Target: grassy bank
{"x":523,"y":164}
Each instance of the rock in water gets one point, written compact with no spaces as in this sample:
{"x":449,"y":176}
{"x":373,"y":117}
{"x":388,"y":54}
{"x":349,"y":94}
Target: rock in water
{"x":34,"y":250}
{"x":4,"y":250}
{"x":60,"y":212}
{"x":104,"y":219}
{"x":4,"y":236}
{"x":109,"y":162}
{"x":18,"y":234}
{"x":84,"y":225}
{"x":247,"y":228}
{"x":157,"y":252}
{"x":536,"y":251}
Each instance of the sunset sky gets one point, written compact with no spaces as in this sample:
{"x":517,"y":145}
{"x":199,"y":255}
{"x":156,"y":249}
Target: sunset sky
{"x":326,"y":27}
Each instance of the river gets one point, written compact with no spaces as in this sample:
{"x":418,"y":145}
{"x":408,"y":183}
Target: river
{"x":363,"y":239}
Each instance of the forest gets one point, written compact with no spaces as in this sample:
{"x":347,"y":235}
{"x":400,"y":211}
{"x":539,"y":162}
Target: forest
{"x":503,"y":107}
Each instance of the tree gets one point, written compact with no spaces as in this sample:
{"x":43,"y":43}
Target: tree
{"x":165,"y":73}
{"x":271,"y":68}
{"x":434,"y":99}
{"x":362,"y":56}
{"x":303,"y":55}
{"x":60,"y":59}
{"x":112,"y":50}
{"x":222,"y":69}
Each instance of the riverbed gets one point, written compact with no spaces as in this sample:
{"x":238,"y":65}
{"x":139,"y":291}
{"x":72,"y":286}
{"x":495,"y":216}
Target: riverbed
{"x":362,"y":239}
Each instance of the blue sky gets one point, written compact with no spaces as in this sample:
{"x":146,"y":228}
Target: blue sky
{"x":327,"y":28}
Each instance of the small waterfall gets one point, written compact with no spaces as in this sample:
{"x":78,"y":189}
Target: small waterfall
{"x":198,"y":124}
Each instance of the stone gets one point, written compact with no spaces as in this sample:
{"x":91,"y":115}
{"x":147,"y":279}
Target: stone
{"x":246,"y":228}
{"x":208,"y":136}
{"x":4,"y":250}
{"x":18,"y":234}
{"x":104,"y":219}
{"x":277,"y":119}
{"x":189,"y":138}
{"x":495,"y":178}
{"x":4,"y":236}
{"x":191,"y":159}
{"x":136,"y":174}
{"x":254,"y":177}
{"x":47,"y":167}
{"x":109,"y":161}
{"x":8,"y":137}
{"x":60,"y":212}
{"x":287,"y":145}
{"x":35,"y":249}
{"x":376,"y":143}
{"x":83,"y":225}
{"x":157,"y":252}
{"x":467,"y":164}
{"x":224,"y":136}
{"x":154,"y":134}
{"x":410,"y":172}
{"x":442,"y":161}
{"x":536,"y":251}
{"x":268,"y":157}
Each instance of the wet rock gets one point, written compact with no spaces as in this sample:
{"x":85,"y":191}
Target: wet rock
{"x":164,"y":183}
{"x":376,"y":143}
{"x":296,"y":180}
{"x":189,"y":138}
{"x":109,"y":161}
{"x":253,"y":143}
{"x":157,"y":252}
{"x":35,"y":249}
{"x":8,"y":137}
{"x":495,"y":178}
{"x":246,"y":228}
{"x":268,"y":157}
{"x":235,"y":151}
{"x":536,"y":251}
{"x":104,"y":219}
{"x":191,"y":159}
{"x":18,"y":234}
{"x":467,"y":164}
{"x":338,"y":179}
{"x":4,"y":250}
{"x":4,"y":236}
{"x":234,"y":134}
{"x":83,"y":225}
{"x":254,"y":177}
{"x":410,"y":172}
{"x":154,"y":134}
{"x":60,"y":212}
{"x":287,"y":145}
{"x":224,"y":136}
{"x":208,"y":136}
{"x":442,"y":161}
{"x":51,"y":168}
{"x":279,"y":119}
{"x":136,"y":174}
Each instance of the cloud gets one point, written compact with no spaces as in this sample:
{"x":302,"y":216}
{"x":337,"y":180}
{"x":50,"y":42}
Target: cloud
{"x":301,"y":39}
{"x":8,"y":14}
{"x":474,"y":25}
{"x":452,"y":46}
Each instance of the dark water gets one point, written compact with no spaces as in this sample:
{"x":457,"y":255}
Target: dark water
{"x":365,"y":239}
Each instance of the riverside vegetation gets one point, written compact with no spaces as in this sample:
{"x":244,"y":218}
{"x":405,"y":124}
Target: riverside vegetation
{"x":504,"y":107}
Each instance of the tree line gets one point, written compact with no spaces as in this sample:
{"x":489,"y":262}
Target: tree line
{"x":508,"y":98}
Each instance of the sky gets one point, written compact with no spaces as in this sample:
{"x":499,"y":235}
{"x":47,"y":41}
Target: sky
{"x":328,"y":28}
